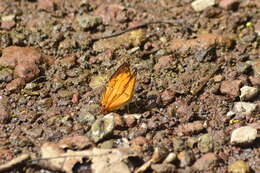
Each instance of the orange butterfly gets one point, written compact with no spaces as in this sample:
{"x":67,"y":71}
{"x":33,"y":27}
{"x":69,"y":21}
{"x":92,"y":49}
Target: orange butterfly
{"x":120,"y":89}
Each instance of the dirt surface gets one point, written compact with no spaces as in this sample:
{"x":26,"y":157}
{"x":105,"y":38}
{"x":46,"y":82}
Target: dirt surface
{"x":196,"y":105}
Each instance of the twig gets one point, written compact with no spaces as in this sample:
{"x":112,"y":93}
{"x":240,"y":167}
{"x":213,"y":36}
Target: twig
{"x":133,"y":28}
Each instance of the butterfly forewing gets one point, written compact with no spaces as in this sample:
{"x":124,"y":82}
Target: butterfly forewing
{"x":119,"y":90}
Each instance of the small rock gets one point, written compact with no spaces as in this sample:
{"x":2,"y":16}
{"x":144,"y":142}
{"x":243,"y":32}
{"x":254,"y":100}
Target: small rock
{"x":85,"y":116}
{"x":189,"y":128}
{"x":67,"y":94}
{"x":243,"y":135}
{"x":5,"y":116}
{"x":186,"y":158}
{"x":239,"y":167}
{"x":200,"y":5}
{"x":178,"y":144}
{"x":231,"y":88}
{"x":229,"y":4}
{"x":67,"y":62}
{"x":255,"y":66}
{"x":248,"y":93}
{"x":24,"y":61}
{"x":107,"y":144}
{"x":255,"y":80}
{"x":6,"y":75}
{"x":47,"y":5}
{"x":119,"y":121}
{"x":244,"y":107}
{"x":75,"y":98}
{"x":205,"y":143}
{"x":8,"y":22}
{"x":102,"y":128}
{"x":130,"y":120}
{"x":218,"y":78}
{"x":87,"y":21}
{"x":163,"y":62}
{"x":97,"y":81}
{"x":163,"y":168}
{"x":243,"y":67}
{"x":139,"y":141}
{"x":170,"y":158}
{"x":131,"y":39}
{"x":206,"y":162}
{"x":15,"y":84}
{"x":167,"y":96}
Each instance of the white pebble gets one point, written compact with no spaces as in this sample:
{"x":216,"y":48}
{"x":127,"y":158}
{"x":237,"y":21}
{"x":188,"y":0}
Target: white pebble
{"x":200,"y":5}
{"x":243,"y":135}
{"x":244,"y":107}
{"x":248,"y":93}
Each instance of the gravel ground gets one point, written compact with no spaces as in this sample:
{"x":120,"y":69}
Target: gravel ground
{"x":196,"y":105}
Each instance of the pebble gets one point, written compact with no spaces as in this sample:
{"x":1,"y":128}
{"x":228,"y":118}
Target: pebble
{"x":243,"y":135}
{"x":230,"y":88}
{"x":228,"y":4}
{"x":186,"y":158}
{"x":85,"y":116}
{"x":205,"y":143}
{"x":87,"y":21}
{"x":255,"y":66}
{"x":254,"y":80}
{"x":189,"y":128}
{"x":6,"y":75}
{"x":130,"y":120}
{"x":244,"y":107}
{"x":102,"y":128}
{"x":98,"y":81}
{"x":243,"y":67}
{"x":5,"y":116}
{"x":206,"y":162}
{"x":8,"y":22}
{"x":15,"y":84}
{"x":47,"y":5}
{"x":200,"y":5}
{"x":170,"y":158}
{"x":178,"y":144}
{"x":238,"y":167}
{"x":163,"y":168}
{"x":134,"y":39}
{"x":247,"y":93}
{"x":167,"y":96}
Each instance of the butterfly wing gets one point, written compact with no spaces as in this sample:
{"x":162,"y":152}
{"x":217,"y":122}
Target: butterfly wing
{"x":117,"y":85}
{"x":125,"y":93}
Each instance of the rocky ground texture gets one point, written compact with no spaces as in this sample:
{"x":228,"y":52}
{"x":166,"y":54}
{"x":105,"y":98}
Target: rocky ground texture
{"x":196,"y":106}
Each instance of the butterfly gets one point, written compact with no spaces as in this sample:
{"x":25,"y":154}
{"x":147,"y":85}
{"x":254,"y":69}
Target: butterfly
{"x":119,"y":90}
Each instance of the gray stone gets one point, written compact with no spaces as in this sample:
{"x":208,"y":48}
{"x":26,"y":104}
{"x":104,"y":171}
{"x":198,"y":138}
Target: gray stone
{"x":102,"y":128}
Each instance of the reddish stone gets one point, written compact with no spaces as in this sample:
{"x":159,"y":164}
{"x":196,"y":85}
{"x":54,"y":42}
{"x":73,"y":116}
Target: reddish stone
{"x":75,"y":98}
{"x":206,"y":162}
{"x":15,"y":84}
{"x":47,"y":5}
{"x":255,"y":80}
{"x":140,"y":140}
{"x":231,"y":88}
{"x":130,"y":120}
{"x":24,"y":60}
{"x":228,"y":4}
{"x":163,"y":62}
{"x":119,"y":121}
{"x":167,"y":96}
